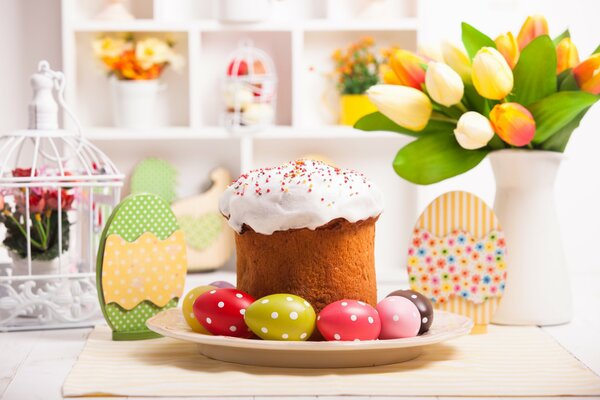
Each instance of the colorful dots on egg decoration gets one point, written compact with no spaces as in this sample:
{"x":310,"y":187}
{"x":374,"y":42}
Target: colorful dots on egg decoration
{"x":141,"y":265}
{"x":281,"y":317}
{"x":423,"y":305}
{"x":221,"y":312}
{"x":187,"y":308}
{"x":349,"y":320}
{"x":456,"y":257}
{"x":400,"y":318}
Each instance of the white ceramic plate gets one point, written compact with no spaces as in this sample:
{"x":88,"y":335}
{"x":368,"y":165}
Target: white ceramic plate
{"x":275,"y":353}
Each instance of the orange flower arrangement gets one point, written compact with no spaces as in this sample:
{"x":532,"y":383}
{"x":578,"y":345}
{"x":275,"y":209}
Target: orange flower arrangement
{"x":356,"y":67}
{"x":131,"y":59}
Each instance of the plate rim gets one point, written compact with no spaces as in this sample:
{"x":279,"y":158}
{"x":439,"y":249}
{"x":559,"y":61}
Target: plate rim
{"x":463,"y":328}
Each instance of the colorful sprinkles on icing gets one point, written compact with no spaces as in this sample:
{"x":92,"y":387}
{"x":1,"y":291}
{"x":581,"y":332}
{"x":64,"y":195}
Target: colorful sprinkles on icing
{"x":302,"y":183}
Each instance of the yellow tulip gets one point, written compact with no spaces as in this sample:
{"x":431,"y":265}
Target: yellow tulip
{"x":534,"y":26}
{"x":443,"y":84}
{"x":587,"y":74}
{"x":409,"y":68}
{"x":492,"y":76}
{"x":508,"y":47}
{"x":473,"y":130}
{"x":406,"y":106}
{"x":513,"y":123}
{"x":458,"y":60}
{"x":567,"y":55}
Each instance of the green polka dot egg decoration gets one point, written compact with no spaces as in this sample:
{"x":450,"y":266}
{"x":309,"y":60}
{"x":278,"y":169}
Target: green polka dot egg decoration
{"x":141,"y":265}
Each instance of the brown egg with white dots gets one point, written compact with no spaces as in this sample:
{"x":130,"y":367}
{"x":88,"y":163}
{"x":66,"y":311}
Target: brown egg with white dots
{"x":423,"y":304}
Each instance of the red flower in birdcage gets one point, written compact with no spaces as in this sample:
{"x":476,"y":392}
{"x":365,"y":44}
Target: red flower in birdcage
{"x":23,"y":172}
{"x":66,"y":199}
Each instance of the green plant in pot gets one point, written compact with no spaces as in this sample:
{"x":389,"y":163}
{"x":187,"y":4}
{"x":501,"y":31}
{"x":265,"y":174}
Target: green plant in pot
{"x":518,"y":100}
{"x":41,"y":216}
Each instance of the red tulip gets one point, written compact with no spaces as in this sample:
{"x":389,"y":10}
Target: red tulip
{"x":587,"y":74}
{"x":409,"y":68}
{"x":513,"y":123}
{"x":533,"y":27}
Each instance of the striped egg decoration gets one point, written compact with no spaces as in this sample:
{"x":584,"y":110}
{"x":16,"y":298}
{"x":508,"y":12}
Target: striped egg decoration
{"x":457,"y":257}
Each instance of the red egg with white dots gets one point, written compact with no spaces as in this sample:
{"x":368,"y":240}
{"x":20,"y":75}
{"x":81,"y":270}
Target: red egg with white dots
{"x":221,"y":312}
{"x":349,"y":320}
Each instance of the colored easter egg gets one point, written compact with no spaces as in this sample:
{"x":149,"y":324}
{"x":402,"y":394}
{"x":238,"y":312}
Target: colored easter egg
{"x":281,"y":317}
{"x":222,"y":284}
{"x":423,"y":304}
{"x":221,"y":312}
{"x":400,"y":318}
{"x":188,"y":308}
{"x":349,"y":320}
{"x":141,"y":265}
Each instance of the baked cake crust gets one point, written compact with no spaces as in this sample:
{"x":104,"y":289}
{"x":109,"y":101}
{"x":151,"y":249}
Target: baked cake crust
{"x":333,"y":262}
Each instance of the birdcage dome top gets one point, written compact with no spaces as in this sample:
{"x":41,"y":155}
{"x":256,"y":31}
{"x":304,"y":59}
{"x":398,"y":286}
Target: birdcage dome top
{"x":250,"y":63}
{"x":43,"y":153}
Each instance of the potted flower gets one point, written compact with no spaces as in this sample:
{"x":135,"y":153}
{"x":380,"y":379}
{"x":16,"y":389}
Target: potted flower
{"x":356,"y":70}
{"x":135,"y":67}
{"x":517,"y":99}
{"x":43,"y":221}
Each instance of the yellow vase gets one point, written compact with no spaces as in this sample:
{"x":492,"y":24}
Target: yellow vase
{"x":353,"y":107}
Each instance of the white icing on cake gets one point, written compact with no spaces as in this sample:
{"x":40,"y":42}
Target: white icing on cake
{"x":299,"y":194}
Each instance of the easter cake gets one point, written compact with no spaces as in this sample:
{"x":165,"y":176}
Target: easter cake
{"x":305,"y":228}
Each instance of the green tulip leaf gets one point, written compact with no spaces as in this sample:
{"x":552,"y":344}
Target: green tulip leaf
{"x":565,"y":34}
{"x":556,"y":111}
{"x":560,"y":139}
{"x":378,"y":122}
{"x":475,"y":101}
{"x":474,"y":40}
{"x":597,"y":50}
{"x":535,"y":72}
{"x":435,"y":157}
{"x":568,"y":83}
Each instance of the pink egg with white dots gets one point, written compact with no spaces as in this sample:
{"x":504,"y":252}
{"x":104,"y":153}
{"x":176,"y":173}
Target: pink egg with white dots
{"x":400,"y":318}
{"x":221,"y":312}
{"x":349,"y":320}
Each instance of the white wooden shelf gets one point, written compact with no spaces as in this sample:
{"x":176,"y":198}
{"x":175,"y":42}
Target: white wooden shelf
{"x":219,"y":133}
{"x":209,"y":25}
{"x":300,"y":39}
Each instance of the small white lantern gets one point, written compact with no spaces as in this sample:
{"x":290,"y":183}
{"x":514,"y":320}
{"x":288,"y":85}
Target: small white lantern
{"x":56,"y":191}
{"x":250,"y":91}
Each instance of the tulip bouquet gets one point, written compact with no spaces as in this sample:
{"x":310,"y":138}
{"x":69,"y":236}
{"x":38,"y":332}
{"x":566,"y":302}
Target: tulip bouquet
{"x":130,"y":59}
{"x":526,"y":92}
{"x":43,"y":219}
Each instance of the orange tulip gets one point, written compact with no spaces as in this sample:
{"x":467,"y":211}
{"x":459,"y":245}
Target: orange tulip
{"x":508,"y":47}
{"x":533,"y":27}
{"x":387,"y":75}
{"x":587,"y":74}
{"x":513,"y":123}
{"x":409,"y":68}
{"x":567,"y":55}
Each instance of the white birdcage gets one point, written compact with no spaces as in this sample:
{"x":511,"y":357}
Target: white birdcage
{"x":56,"y":192}
{"x":250,"y":91}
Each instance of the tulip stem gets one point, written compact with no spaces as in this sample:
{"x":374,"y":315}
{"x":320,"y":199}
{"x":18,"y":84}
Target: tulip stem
{"x":444,"y":118}
{"x":461,"y":107}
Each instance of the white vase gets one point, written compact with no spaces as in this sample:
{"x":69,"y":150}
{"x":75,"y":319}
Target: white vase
{"x":136,"y":104}
{"x":537,"y":290}
{"x":244,"y":10}
{"x":20,"y":266}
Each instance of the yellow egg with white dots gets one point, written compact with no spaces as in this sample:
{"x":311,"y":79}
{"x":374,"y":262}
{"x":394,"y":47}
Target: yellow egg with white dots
{"x":188,"y":308}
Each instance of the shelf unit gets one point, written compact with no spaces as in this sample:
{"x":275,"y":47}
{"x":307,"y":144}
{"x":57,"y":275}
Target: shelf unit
{"x":305,"y":119}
